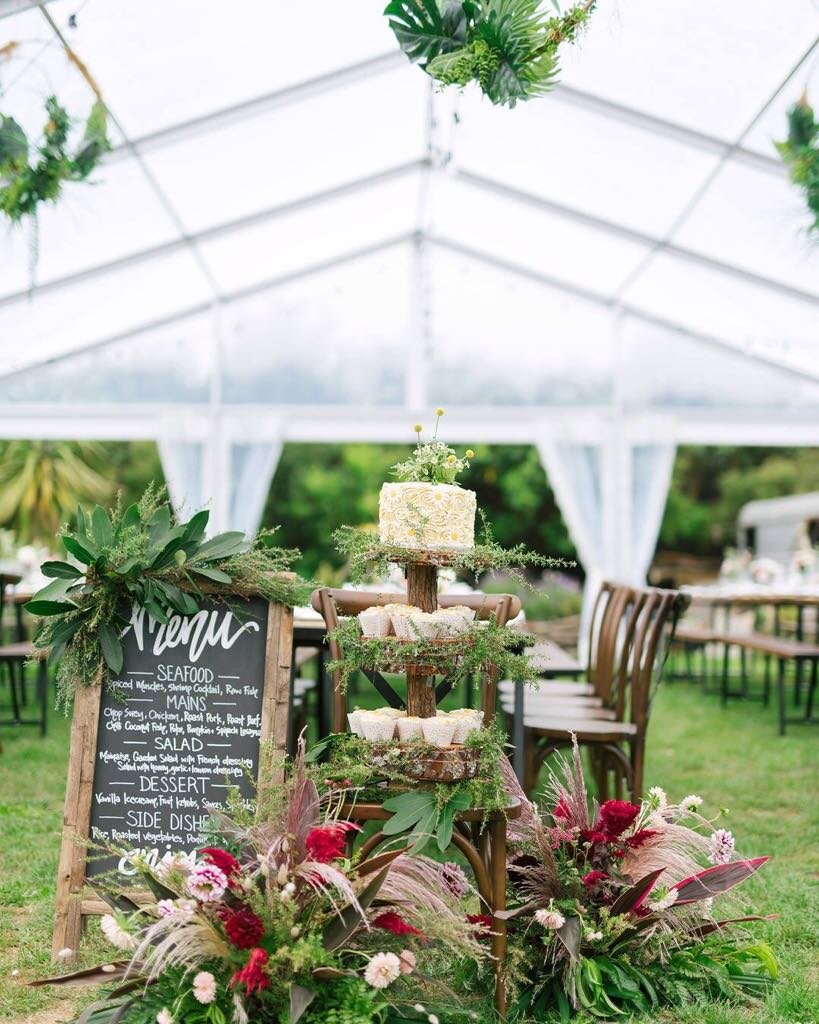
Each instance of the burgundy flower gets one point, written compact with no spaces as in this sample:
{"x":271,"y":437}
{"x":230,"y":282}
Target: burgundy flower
{"x":640,"y":838}
{"x":223,"y":860}
{"x":615,"y":817}
{"x":592,"y":878}
{"x":392,"y":922}
{"x":253,"y":975}
{"x":326,"y":842}
{"x":589,"y":835}
{"x":561,"y":810}
{"x":244,"y":928}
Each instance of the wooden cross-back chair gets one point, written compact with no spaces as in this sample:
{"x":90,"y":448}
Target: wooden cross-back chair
{"x":479,"y":836}
{"x":332,"y":603}
{"x":15,"y":652}
{"x":650,"y":620}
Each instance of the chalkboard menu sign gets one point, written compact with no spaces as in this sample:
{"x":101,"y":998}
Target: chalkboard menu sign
{"x":182,"y":724}
{"x":179,"y":728}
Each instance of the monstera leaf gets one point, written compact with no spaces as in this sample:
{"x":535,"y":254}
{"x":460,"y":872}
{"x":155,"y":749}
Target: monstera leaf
{"x":424,"y":29}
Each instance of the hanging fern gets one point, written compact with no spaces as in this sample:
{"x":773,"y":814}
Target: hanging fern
{"x":800,"y":152}
{"x":509,"y":47}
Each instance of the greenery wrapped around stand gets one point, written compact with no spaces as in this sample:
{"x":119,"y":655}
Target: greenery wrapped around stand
{"x":468,"y":653}
{"x":508,"y":47}
{"x":143,"y":555}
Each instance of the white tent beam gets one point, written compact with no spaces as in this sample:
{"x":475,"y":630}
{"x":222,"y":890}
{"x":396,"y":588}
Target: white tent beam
{"x":467,"y":424}
{"x":296,"y":93}
{"x":631,"y":234}
{"x":599,"y":299}
{"x":11,"y":7}
{"x":219,"y":230}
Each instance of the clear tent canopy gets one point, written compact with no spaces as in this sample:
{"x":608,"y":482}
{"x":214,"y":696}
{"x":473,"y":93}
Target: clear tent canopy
{"x":296,"y":238}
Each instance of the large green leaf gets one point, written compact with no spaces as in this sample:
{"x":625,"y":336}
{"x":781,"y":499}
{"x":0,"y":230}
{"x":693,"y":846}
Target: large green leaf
{"x":424,"y":29}
{"x":446,"y":819}
{"x":223,"y":545}
{"x":195,"y":527}
{"x":178,"y":599}
{"x":60,"y":570}
{"x":84,"y":552}
{"x":13,"y":144}
{"x":101,"y":527}
{"x":130,"y":517}
{"x":210,"y":573}
{"x":37,"y":607}
{"x":111,"y":647}
{"x":61,"y":633}
{"x":407,"y":810}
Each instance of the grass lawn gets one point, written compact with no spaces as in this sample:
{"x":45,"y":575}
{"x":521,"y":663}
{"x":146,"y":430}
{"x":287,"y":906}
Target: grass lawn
{"x":733,"y":758}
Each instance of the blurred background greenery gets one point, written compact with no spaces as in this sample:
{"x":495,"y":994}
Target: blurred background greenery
{"x":317,"y":487}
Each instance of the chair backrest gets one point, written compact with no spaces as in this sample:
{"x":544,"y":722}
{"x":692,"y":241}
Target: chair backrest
{"x":609,"y":637}
{"x":656,"y":613}
{"x":332,"y":603}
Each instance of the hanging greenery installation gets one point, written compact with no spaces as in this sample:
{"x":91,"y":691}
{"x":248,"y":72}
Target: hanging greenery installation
{"x":800,"y":152}
{"x":508,"y":47}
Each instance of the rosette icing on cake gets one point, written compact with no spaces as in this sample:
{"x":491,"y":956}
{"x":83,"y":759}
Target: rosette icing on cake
{"x":421,"y":515}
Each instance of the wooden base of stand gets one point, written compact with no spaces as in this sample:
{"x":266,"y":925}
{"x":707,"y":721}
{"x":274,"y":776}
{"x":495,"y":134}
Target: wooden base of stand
{"x":422,"y":592}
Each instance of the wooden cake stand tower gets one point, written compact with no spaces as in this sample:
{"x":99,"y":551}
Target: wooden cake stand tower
{"x":479,"y":837}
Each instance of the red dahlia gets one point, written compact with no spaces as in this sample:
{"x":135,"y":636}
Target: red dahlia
{"x":641,"y":837}
{"x":223,"y":860}
{"x":482,"y":922}
{"x":326,"y":842}
{"x":593,"y":877}
{"x":615,"y":817}
{"x":392,"y":922}
{"x":253,"y":975}
{"x":244,"y":928}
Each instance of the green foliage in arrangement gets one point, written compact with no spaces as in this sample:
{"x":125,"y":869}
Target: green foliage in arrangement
{"x":800,"y":152}
{"x":427,"y":810}
{"x":367,"y":556}
{"x":484,"y":643}
{"x":142,"y":554}
{"x":508,"y":47}
{"x":35,"y":172}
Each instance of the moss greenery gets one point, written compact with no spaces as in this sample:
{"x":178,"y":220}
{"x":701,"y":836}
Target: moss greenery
{"x":144,"y":555}
{"x":470,"y":652}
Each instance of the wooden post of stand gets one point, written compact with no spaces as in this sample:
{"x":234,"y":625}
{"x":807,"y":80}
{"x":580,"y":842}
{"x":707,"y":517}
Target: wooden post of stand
{"x":422,"y":592}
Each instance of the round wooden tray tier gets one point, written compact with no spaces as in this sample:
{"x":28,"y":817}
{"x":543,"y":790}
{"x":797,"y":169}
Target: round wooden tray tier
{"x":438,"y":558}
{"x":430,"y":669}
{"x":447,"y":764}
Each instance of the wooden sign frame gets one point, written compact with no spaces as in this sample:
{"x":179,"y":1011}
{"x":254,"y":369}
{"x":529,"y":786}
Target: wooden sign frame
{"x":71,"y":908}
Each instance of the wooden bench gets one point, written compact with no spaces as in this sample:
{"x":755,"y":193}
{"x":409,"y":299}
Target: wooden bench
{"x":785,"y":651}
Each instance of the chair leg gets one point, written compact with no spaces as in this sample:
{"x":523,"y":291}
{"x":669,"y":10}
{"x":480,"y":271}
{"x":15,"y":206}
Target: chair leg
{"x":530,"y":763}
{"x":42,"y":695}
{"x":15,"y":704}
{"x":780,"y":686}
{"x":498,"y":867}
{"x":724,"y":692}
{"x":766,"y":693}
{"x":638,"y":753}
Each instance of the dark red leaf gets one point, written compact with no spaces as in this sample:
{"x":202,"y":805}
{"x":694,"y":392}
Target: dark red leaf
{"x":634,"y":896}
{"x":715,"y":880}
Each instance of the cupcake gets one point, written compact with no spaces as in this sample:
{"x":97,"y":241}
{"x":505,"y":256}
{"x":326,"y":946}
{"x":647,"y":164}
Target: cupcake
{"x":400,"y":618}
{"x":375,"y":622}
{"x":394,"y":713}
{"x":377,"y":728}
{"x":466,"y":722}
{"x":425,"y":625}
{"x":439,"y":730}
{"x":409,"y":728}
{"x":461,"y":610}
{"x":354,"y":722}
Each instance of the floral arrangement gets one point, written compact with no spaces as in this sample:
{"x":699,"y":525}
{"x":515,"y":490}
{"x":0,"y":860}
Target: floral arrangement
{"x":432,"y":462}
{"x":469,"y":652}
{"x":143,"y":554}
{"x":800,"y":153}
{"x":616,"y":910}
{"x":508,"y":47}
{"x":273,"y":922}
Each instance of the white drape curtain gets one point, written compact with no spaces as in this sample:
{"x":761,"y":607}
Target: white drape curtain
{"x":232,"y":480}
{"x":612,"y":496}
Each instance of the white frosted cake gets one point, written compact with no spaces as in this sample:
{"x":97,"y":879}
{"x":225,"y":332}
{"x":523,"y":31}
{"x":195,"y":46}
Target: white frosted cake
{"x":420,"y":515}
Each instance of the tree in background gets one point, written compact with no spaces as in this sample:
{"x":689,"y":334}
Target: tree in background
{"x":41,"y":482}
{"x":711,"y":484}
{"x":319,"y":486}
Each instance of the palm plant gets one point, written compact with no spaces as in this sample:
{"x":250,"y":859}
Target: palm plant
{"x":41,"y":482}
